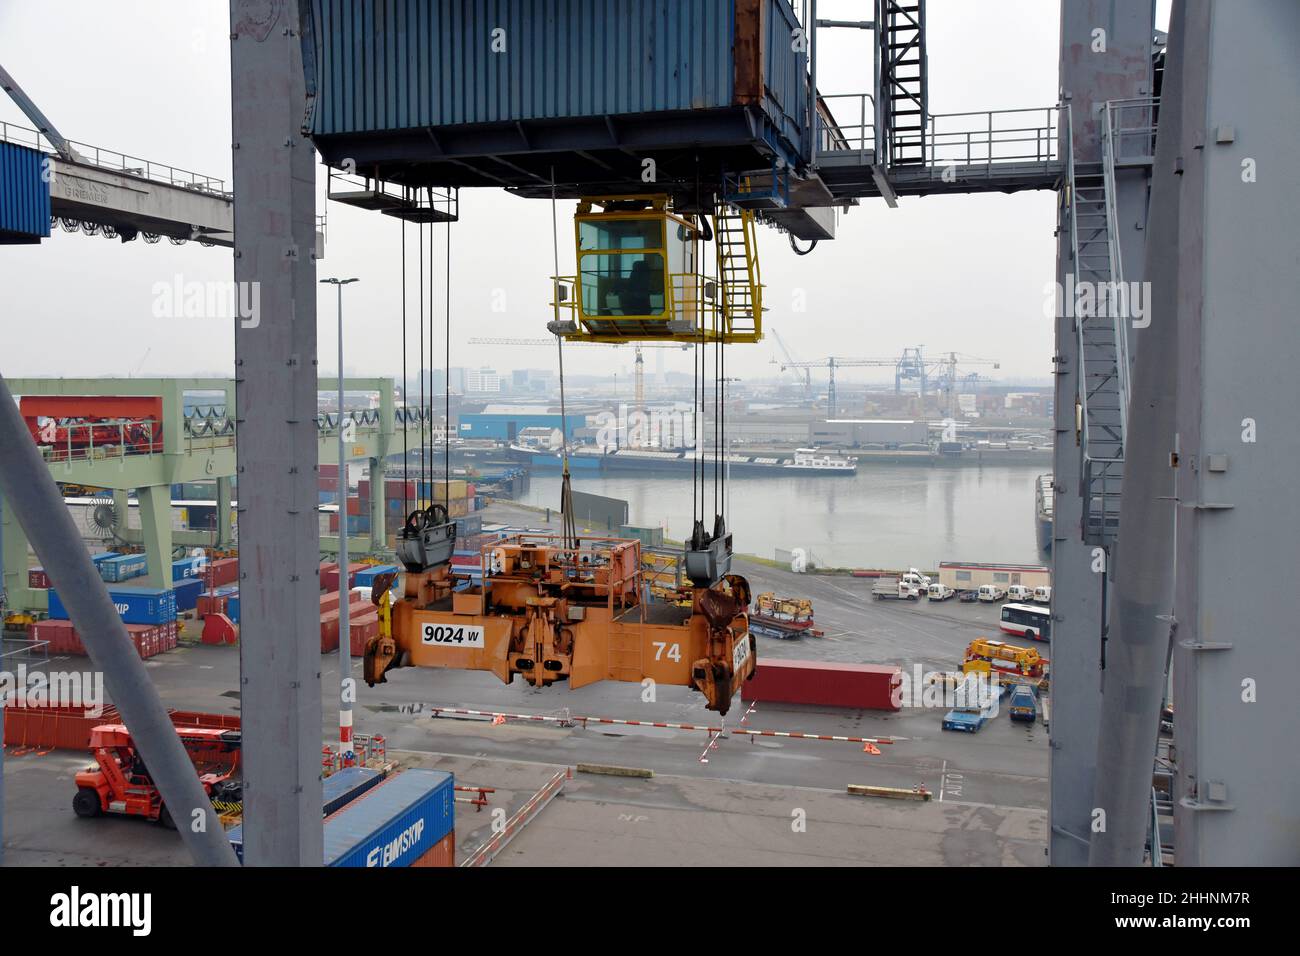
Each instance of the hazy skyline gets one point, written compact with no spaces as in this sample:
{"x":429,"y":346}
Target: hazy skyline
{"x":963,"y":273}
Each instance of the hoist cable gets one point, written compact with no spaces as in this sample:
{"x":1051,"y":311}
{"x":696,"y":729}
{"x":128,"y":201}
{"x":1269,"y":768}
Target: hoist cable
{"x":446,"y":387}
{"x":406,"y":406}
{"x":568,"y":528}
{"x":419,"y":259}
{"x":429,"y":357}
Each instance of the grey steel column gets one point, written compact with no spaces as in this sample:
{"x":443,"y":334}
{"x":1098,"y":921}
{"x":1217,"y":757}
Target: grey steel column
{"x":1236,"y":658}
{"x":1089,"y":77}
{"x":30,"y":491}
{"x":276,"y":380}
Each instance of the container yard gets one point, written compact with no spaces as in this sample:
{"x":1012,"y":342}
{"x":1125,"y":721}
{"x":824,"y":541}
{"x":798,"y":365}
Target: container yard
{"x":520,"y":453}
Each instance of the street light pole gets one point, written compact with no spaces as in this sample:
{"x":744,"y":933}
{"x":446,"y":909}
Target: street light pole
{"x":346,"y":685}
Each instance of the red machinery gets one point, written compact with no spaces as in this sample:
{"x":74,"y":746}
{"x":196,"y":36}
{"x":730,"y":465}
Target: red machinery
{"x":120,"y":782}
{"x":78,"y":422}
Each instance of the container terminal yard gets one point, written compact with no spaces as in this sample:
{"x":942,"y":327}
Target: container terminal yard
{"x":293,"y":604}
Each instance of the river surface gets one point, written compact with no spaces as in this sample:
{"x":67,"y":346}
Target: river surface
{"x":886,"y":516}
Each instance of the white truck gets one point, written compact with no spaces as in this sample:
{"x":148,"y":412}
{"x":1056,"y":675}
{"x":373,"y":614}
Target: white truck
{"x":917,"y":580}
{"x":939,"y":592}
{"x":892,"y":589}
{"x":991,"y":592}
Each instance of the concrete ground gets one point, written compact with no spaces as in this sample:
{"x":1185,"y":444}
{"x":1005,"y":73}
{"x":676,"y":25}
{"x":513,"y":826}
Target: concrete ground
{"x":736,"y":807}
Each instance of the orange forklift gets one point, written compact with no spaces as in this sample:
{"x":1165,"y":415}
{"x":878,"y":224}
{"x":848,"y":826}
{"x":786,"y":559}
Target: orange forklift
{"x":121,"y":783}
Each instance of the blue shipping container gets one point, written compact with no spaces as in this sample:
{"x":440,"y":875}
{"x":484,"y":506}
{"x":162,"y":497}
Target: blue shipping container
{"x":188,"y":568}
{"x":366,"y":578}
{"x":232,"y":607}
{"x":103,"y":556}
{"x":395,"y":823}
{"x":338,"y":789}
{"x":187,"y":594}
{"x":135,"y":605}
{"x":724,"y":75}
{"x":341,"y":788}
{"x":24,"y":194}
{"x":123,"y":567}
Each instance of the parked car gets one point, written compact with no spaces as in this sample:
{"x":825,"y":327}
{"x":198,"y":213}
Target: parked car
{"x":1018,"y":592}
{"x":940,"y":592}
{"x":1042,"y":595}
{"x":991,"y":592}
{"x":968,"y":596}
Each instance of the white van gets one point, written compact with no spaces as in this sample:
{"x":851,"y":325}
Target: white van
{"x":991,"y":592}
{"x":916,"y":579}
{"x":1042,"y":595}
{"x":1018,"y":592}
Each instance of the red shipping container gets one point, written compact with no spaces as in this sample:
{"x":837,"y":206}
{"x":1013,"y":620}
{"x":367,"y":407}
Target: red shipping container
{"x":334,"y":522}
{"x":223,"y":571}
{"x":360,"y":632}
{"x":329,"y":631}
{"x":324,"y":567}
{"x":60,"y":726}
{"x":330,"y":578}
{"x":354,"y":507}
{"x":37,"y":578}
{"x":442,"y":853}
{"x":329,"y":601}
{"x":328,"y":471}
{"x":860,"y":686}
{"x":211,"y":604}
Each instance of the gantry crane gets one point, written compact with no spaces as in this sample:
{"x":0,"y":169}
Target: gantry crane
{"x":948,"y":377}
{"x":551,"y":609}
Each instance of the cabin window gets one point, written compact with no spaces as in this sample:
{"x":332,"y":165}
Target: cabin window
{"x":963,"y":575}
{"x":1000,"y":577}
{"x":622,"y":283}
{"x":620,"y":234}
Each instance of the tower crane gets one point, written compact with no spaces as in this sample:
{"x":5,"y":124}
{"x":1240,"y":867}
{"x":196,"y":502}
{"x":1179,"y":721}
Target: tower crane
{"x":792,"y":362}
{"x":831,"y":363}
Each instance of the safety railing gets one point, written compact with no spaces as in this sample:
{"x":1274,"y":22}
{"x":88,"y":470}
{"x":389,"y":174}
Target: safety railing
{"x":834,"y":137}
{"x":1119,"y":309}
{"x":1130,"y":128}
{"x":114,"y":161}
{"x":991,"y":138}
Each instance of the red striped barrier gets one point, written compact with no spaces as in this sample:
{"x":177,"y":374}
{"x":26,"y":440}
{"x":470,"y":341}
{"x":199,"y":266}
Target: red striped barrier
{"x":484,"y":854}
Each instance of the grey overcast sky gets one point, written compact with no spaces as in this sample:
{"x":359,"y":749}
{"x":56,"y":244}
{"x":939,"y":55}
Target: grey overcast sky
{"x":151,"y":78}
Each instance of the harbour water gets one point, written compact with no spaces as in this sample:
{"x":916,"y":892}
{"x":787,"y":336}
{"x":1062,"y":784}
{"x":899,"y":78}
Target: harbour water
{"x":889,"y":516}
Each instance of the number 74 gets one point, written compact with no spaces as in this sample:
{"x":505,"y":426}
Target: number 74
{"x":674,"y":651}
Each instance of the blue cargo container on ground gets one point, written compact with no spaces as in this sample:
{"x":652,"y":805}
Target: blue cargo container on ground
{"x":232,"y":607}
{"x":134,"y":605}
{"x":395,"y":823}
{"x":123,"y":567}
{"x":366,"y":578}
{"x":188,"y":568}
{"x":187,"y":593}
{"x":338,"y":790}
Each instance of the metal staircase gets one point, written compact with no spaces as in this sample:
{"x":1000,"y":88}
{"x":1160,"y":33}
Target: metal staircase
{"x":741,"y":293}
{"x":1100,"y":310}
{"x":903,"y":81}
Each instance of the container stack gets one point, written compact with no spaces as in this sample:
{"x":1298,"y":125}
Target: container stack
{"x":148,"y":639}
{"x":215,"y":601}
{"x":134,"y":605}
{"x":329,"y":619}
